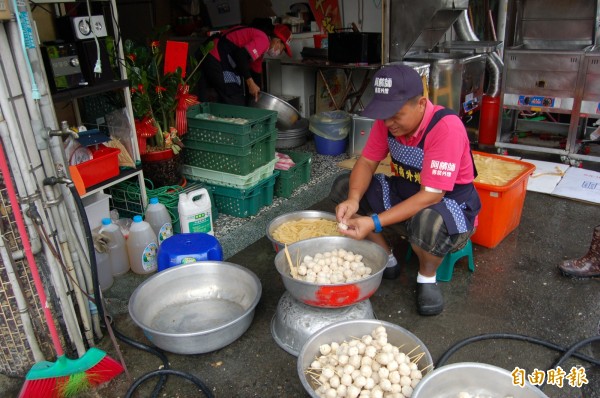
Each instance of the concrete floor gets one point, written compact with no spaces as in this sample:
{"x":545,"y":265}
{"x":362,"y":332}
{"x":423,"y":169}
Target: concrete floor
{"x":515,"y":288}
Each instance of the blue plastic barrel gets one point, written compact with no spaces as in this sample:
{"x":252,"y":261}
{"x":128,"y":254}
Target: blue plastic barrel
{"x":188,"y":248}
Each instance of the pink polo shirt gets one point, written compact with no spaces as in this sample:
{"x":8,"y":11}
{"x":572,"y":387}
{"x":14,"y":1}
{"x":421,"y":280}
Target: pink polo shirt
{"x":446,"y":151}
{"x":255,"y":41}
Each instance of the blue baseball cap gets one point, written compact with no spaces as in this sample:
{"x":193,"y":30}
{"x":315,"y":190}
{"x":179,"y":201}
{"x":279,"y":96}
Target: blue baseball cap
{"x":393,"y":85}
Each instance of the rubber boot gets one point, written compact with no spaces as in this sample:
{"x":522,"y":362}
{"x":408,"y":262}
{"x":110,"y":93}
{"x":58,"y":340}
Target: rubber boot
{"x":587,"y":266}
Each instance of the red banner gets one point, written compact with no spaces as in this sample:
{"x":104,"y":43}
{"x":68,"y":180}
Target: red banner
{"x":327,"y":14}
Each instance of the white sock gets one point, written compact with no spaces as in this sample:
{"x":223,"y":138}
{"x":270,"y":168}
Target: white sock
{"x":425,"y":279}
{"x":391,"y":262}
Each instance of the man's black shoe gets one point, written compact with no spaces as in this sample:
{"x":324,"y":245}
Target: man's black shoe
{"x":391,"y":272}
{"x":429,"y":299}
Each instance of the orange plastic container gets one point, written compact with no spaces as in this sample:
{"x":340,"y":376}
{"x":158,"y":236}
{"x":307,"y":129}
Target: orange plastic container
{"x":104,"y":165}
{"x":501,"y":206}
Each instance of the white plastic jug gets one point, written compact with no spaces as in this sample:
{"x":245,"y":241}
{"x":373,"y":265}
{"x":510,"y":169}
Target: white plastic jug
{"x":159,"y":219}
{"x":105,"y":278}
{"x":142,"y":247}
{"x":195,"y":213}
{"x":117,"y":247}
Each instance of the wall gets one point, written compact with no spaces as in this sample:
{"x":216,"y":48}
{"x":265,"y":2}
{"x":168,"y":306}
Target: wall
{"x":370,"y":12}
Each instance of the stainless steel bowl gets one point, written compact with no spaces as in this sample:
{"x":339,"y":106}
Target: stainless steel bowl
{"x":294,"y":322}
{"x":346,"y":330}
{"x":333,"y":295}
{"x":293,"y":216}
{"x":474,"y":378}
{"x":287,"y":115}
{"x":197,"y":307}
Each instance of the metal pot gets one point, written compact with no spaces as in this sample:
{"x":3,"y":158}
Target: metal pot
{"x":287,"y":115}
{"x":333,"y":295}
{"x":197,"y":307}
{"x":294,"y":322}
{"x":474,"y":378}
{"x":293,"y":216}
{"x":349,"y":330}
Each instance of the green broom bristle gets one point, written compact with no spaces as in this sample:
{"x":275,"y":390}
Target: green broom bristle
{"x":75,"y":384}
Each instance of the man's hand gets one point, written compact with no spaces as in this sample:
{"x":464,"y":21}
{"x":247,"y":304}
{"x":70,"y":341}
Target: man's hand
{"x":253,"y":88}
{"x":345,"y":210}
{"x":358,"y":227}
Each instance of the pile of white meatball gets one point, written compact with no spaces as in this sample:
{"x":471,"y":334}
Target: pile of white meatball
{"x":336,"y":266}
{"x":369,"y":367}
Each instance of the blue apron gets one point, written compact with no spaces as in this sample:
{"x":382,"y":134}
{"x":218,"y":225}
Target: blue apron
{"x":458,"y":208}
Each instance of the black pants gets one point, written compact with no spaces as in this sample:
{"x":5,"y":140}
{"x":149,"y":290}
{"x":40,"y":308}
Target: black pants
{"x":212,"y":86}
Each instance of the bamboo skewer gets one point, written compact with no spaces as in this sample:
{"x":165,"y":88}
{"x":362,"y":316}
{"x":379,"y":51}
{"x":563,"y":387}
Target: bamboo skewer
{"x":293,"y":269}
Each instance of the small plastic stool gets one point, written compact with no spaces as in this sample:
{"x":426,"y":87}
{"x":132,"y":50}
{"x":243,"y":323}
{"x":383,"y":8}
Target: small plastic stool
{"x":188,"y":248}
{"x":446,"y":268}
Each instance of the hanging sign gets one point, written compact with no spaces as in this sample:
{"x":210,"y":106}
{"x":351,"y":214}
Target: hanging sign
{"x":327,"y":14}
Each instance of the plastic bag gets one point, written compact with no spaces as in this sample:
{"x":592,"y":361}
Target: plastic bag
{"x":333,"y":125}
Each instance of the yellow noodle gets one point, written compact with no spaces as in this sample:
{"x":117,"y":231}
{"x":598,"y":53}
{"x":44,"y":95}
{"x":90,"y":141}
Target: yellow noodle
{"x":305,"y":228}
{"x":494,"y":171}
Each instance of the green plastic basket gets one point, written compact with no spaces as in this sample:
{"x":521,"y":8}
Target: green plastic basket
{"x":244,"y":202}
{"x":231,"y":159}
{"x":227,"y":179}
{"x":127,"y":200}
{"x":218,"y":131}
{"x":297,"y":175}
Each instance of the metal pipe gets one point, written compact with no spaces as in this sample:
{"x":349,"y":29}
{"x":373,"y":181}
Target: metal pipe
{"x":20,"y":134}
{"x":502,"y":13}
{"x":494,"y":64}
{"x":53,"y":203}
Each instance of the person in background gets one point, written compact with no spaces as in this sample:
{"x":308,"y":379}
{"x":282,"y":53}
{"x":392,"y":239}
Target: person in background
{"x":430,"y":199}
{"x":587,"y":266}
{"x":234,"y":66}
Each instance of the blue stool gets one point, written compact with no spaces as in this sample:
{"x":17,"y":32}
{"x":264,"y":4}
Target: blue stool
{"x":188,"y":248}
{"x":446,"y":268}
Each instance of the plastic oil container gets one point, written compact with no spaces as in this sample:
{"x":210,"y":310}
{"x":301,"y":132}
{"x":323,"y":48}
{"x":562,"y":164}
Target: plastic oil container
{"x":159,"y":219}
{"x":105,"y":278}
{"x":195,"y":212}
{"x":117,"y":247}
{"x":142,"y":247}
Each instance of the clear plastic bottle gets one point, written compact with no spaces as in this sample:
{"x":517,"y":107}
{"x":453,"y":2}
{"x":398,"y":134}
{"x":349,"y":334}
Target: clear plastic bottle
{"x":117,"y":246}
{"x":159,"y":219}
{"x":142,"y":247}
{"x":105,"y":278}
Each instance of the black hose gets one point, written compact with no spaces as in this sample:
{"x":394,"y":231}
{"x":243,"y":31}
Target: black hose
{"x":575,"y":347}
{"x":151,"y":350}
{"x":90,"y":245}
{"x":507,"y":336}
{"x":160,"y":372}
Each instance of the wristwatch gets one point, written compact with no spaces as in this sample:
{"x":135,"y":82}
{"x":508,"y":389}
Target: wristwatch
{"x":377,"y":223}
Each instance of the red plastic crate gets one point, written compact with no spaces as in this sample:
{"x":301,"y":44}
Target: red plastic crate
{"x":104,"y":165}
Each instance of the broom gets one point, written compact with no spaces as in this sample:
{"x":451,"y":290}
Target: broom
{"x":65,"y":377}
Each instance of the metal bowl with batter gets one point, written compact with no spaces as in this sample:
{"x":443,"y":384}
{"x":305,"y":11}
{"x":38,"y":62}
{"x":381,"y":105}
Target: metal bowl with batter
{"x":294,"y":216}
{"x":197,"y":307}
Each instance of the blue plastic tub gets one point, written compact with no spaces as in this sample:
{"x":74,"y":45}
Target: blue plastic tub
{"x":330,"y":147}
{"x":188,"y":248}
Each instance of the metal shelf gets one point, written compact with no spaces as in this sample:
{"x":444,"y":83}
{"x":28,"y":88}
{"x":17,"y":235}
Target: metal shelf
{"x":123,"y":175}
{"x":71,"y":95}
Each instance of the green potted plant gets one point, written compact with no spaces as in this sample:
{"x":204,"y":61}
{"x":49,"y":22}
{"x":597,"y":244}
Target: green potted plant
{"x":160,"y":101}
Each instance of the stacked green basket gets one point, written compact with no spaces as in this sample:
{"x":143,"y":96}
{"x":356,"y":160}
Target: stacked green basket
{"x":231,"y":149}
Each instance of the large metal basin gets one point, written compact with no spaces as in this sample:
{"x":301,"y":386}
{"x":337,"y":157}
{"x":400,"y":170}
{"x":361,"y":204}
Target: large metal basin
{"x":287,"y":115}
{"x":294,"y":322}
{"x":474,"y":378}
{"x":196,"y":308}
{"x":352,"y":329}
{"x":294,"y":216}
{"x":333,"y":295}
